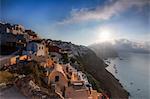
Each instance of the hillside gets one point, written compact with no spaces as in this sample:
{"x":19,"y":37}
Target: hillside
{"x":79,"y":57}
{"x":94,"y":67}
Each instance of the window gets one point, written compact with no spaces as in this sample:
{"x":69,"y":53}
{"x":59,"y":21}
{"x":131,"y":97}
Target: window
{"x":17,"y":28}
{"x":56,"y":78}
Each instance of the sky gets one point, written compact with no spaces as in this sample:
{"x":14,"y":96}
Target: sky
{"x":82,"y":22}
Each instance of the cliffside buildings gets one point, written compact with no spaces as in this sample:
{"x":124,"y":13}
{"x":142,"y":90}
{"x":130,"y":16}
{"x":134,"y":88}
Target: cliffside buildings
{"x":63,"y":79}
{"x":31,"y":35}
{"x":14,"y":37}
{"x":36,"y":48}
{"x":8,"y":28}
{"x":70,"y":83}
{"x":52,"y":67}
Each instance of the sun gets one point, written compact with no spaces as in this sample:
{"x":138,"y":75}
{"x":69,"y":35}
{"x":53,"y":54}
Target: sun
{"x":104,"y":35}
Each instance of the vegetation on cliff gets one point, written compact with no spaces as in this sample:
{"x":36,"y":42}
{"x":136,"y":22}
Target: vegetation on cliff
{"x":101,"y":78}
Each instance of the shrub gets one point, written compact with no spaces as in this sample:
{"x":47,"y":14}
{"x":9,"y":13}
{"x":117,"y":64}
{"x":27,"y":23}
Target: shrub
{"x":5,"y":76}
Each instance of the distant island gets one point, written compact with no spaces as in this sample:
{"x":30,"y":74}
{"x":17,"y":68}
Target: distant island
{"x":53,"y":69}
{"x":106,"y":50}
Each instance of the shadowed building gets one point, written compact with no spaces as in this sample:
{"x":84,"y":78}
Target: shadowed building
{"x":36,"y":48}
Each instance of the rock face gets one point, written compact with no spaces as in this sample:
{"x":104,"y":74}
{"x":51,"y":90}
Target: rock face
{"x":96,"y":67}
{"x":28,"y":88}
{"x":11,"y":93}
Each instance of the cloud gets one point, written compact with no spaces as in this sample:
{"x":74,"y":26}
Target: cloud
{"x":110,"y":9}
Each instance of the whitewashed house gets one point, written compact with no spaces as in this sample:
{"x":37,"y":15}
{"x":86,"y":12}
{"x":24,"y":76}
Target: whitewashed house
{"x":35,"y":48}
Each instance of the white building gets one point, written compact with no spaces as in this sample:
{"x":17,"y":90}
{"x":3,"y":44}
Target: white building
{"x":35,"y":48}
{"x":14,"y":29}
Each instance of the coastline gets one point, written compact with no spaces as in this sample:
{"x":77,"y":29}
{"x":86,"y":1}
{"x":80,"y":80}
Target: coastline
{"x":96,"y":67}
{"x":136,"y":65}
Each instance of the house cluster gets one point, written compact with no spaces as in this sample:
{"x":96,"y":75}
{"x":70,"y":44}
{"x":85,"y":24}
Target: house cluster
{"x":15,"y":37}
{"x":57,"y":70}
{"x":59,"y":74}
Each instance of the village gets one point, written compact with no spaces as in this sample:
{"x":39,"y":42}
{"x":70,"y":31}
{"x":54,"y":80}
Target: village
{"x":42,"y":68}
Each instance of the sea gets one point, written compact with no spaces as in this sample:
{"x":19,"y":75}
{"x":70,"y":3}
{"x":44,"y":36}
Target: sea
{"x":133,"y":72}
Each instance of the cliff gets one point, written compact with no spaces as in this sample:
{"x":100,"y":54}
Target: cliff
{"x":107,"y":82}
{"x":94,"y":67}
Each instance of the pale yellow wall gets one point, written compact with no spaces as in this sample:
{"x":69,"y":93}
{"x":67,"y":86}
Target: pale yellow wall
{"x":74,"y":76}
{"x":81,"y":94}
{"x":49,"y":62}
{"x":13,"y":60}
{"x":23,"y":57}
{"x":76,"y":94}
{"x":46,"y":51}
{"x":62,"y":79}
{"x":94,"y":94}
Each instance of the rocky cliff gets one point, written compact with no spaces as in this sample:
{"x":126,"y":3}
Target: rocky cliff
{"x":94,"y":67}
{"x":107,"y":82}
